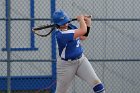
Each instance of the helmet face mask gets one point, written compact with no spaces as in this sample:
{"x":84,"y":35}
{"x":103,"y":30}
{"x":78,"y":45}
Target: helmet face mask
{"x":60,"y":18}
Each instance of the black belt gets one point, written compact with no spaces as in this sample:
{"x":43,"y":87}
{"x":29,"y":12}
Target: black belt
{"x":72,"y":59}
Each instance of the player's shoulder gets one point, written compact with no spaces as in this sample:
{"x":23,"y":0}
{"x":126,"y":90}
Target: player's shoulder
{"x":65,"y":34}
{"x":68,"y":31}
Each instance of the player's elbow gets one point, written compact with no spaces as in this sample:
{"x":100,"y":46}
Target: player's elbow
{"x":80,"y":32}
{"x":83,"y":37}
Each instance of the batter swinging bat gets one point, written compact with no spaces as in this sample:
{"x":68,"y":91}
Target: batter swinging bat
{"x":51,"y":25}
{"x":40,"y":30}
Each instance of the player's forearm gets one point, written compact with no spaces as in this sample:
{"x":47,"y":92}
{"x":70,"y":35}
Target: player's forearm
{"x":82,"y":29}
{"x":88,"y":23}
{"x":83,"y":26}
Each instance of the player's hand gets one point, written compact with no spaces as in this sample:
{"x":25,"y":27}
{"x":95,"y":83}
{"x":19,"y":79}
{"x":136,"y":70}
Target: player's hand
{"x":87,"y":20}
{"x":80,"y":18}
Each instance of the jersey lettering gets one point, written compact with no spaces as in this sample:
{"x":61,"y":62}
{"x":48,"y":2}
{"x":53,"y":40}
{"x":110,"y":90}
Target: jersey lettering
{"x":78,"y":43}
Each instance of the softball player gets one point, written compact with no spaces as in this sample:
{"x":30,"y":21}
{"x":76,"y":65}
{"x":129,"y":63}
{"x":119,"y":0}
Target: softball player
{"x":72,"y":60}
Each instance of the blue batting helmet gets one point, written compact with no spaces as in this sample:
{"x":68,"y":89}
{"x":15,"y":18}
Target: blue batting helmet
{"x":60,"y":17}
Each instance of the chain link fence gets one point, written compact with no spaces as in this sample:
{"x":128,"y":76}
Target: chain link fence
{"x":112,"y":47}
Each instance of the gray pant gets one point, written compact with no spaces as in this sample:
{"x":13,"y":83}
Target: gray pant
{"x":66,"y":71}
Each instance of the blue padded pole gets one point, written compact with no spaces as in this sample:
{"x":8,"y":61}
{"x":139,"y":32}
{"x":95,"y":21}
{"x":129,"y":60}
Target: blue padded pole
{"x":53,"y":42}
{"x":32,"y":23}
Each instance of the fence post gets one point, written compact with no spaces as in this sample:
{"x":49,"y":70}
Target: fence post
{"x":8,"y":42}
{"x":53,"y":42}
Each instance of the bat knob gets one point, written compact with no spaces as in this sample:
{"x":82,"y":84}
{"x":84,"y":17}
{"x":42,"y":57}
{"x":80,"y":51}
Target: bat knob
{"x":33,"y":29}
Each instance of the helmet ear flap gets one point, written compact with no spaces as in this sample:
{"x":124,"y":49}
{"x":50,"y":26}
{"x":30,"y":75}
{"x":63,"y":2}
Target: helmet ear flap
{"x":60,"y":18}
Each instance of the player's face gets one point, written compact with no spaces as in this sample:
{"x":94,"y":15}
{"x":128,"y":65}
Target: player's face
{"x":65,"y":26}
